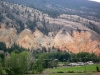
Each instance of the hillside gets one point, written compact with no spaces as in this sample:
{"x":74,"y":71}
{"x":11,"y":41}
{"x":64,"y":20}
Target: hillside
{"x":33,"y":29}
{"x":83,"y":8}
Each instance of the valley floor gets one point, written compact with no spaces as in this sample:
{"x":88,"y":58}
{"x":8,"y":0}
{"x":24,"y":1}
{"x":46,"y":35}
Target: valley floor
{"x":73,"y":70}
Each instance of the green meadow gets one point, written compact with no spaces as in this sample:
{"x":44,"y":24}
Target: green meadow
{"x":66,"y":74}
{"x":71,"y":70}
{"x":87,"y":68}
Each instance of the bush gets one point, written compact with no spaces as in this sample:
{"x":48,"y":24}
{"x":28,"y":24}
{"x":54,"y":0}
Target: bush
{"x":60,"y":72}
{"x":9,"y":71}
{"x":97,"y":68}
{"x":34,"y":71}
{"x":3,"y":72}
{"x":80,"y":72}
{"x":29,"y":72}
{"x":0,"y":71}
{"x":71,"y":72}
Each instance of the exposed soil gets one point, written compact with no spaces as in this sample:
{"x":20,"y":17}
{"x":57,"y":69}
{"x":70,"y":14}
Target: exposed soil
{"x":98,"y":73}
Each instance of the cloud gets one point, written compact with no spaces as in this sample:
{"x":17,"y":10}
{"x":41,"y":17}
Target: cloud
{"x":95,"y":0}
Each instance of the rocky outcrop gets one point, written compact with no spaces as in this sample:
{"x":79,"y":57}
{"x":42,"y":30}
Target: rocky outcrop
{"x":34,"y":40}
{"x":8,"y":36}
{"x":42,"y":40}
{"x":25,"y":39}
{"x":79,"y":42}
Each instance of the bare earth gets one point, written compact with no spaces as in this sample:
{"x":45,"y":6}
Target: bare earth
{"x":97,"y":73}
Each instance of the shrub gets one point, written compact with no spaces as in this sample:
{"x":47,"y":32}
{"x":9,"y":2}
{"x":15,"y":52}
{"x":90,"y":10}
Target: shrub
{"x":80,"y":72}
{"x":3,"y":72}
{"x":60,"y":72}
{"x":9,"y":71}
{"x":29,"y":72}
{"x":34,"y":71}
{"x":71,"y":72}
{"x":97,"y":68}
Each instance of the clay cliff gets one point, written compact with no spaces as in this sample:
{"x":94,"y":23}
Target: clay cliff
{"x":8,"y":36}
{"x":33,"y":40}
{"x":78,"y":42}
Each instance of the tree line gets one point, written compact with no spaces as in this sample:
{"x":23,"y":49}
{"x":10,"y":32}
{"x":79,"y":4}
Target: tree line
{"x":26,"y":62}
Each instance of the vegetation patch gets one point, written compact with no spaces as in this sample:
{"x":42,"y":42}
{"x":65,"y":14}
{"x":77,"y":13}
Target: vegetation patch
{"x":71,"y":72}
{"x":60,"y":72}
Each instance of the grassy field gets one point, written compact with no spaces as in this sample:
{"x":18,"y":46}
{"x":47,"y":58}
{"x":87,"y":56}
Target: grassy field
{"x":87,"y":73}
{"x":88,"y":68}
{"x":67,"y":74}
{"x":74,"y":70}
{"x":64,"y":74}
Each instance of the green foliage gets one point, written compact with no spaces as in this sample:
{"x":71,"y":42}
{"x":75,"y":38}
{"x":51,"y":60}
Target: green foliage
{"x":84,"y":56}
{"x":14,"y":47}
{"x":70,"y":71}
{"x":60,"y":72}
{"x":2,"y":46}
{"x":25,"y":61}
{"x":0,"y":62}
{"x":21,"y":62}
{"x":38,"y":66}
{"x":9,"y":71}
{"x":53,"y":63}
{"x":1,"y":56}
{"x":3,"y":72}
{"x":18,"y":63}
{"x":43,"y":62}
{"x":97,"y":68}
{"x":65,"y":56}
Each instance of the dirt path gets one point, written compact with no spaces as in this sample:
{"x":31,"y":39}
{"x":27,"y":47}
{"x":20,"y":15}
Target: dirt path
{"x":97,"y":73}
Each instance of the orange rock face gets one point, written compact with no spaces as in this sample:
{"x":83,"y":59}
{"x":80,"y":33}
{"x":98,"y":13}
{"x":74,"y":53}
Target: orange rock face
{"x":8,"y":36}
{"x":25,"y":39}
{"x":34,"y":40}
{"x":79,"y":42}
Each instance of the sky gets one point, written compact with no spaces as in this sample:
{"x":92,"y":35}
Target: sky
{"x":95,"y":0}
